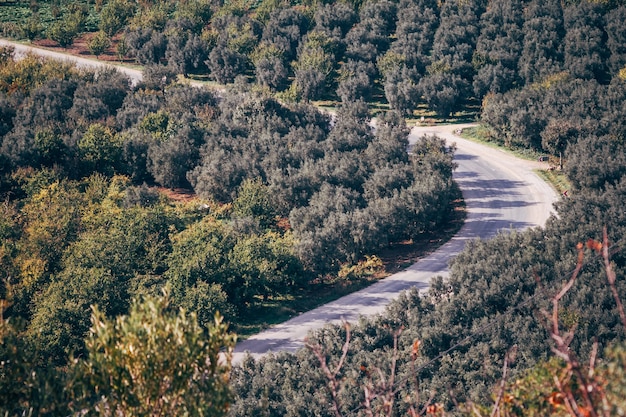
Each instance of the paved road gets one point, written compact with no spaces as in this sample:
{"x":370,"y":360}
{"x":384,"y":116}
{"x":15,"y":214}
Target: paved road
{"x":501,"y":193}
{"x":21,"y":50}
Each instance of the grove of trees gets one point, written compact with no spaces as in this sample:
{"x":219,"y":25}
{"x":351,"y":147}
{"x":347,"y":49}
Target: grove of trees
{"x":447,"y":349}
{"x":403,"y":53}
{"x":552,"y":86}
{"x":287,"y":195}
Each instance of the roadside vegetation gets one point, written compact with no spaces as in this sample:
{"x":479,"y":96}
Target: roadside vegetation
{"x":551,"y":173}
{"x":289,"y":209}
{"x":483,"y":134}
{"x":287,"y":203}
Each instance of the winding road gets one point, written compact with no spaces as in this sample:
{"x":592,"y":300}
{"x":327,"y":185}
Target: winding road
{"x":501,"y":193}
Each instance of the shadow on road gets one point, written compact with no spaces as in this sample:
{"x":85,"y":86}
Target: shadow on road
{"x":491,"y":188}
{"x":489,"y":227}
{"x":497,"y":203}
{"x":464,"y":157}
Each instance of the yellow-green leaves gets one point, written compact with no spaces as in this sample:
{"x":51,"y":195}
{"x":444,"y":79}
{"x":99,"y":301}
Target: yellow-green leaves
{"x":157,"y":362}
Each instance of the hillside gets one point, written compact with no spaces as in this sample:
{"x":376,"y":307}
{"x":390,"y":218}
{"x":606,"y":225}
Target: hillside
{"x":289,"y":198}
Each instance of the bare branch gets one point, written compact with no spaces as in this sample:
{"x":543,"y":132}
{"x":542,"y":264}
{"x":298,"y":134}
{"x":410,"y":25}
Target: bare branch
{"x":610,"y":274}
{"x":331,"y":376}
{"x":388,"y":387}
{"x":568,"y":398}
{"x":367,"y":402}
{"x":475,"y":410}
{"x":384,"y":388}
{"x":564,"y":290}
{"x":592,"y":359}
{"x":563,"y":351}
{"x":429,"y":403}
{"x":510,"y":354}
{"x":344,"y":350}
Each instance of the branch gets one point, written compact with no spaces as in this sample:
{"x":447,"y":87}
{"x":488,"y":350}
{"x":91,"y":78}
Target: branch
{"x":563,"y":351}
{"x":509,"y":356}
{"x":564,"y":290}
{"x":610,"y":274}
{"x":385,"y":388}
{"x":331,"y":376}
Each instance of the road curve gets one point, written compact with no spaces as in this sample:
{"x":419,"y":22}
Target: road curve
{"x":501,"y":192}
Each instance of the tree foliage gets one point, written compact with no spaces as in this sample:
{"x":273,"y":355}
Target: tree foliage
{"x":99,"y":43}
{"x":115,"y":15}
{"x":491,"y":46}
{"x":291,"y":194}
{"x":156,"y":362}
{"x":491,"y":298}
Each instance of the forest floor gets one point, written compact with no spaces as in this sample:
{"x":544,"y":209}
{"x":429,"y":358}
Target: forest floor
{"x":80,"y":49}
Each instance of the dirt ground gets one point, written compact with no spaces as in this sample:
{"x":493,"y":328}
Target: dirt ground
{"x":80,"y":48}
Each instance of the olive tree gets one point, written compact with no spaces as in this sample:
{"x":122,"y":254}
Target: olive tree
{"x":156,"y":362}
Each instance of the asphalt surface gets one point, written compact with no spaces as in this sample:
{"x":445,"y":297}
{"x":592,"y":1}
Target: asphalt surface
{"x":501,"y":193}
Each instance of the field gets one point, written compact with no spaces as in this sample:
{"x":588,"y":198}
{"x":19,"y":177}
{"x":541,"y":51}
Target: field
{"x":18,"y":19}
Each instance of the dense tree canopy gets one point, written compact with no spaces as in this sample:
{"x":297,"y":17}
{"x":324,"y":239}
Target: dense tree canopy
{"x":467,"y":48}
{"x":285,"y":196}
{"x":288,"y":195}
{"x":451,"y":343}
